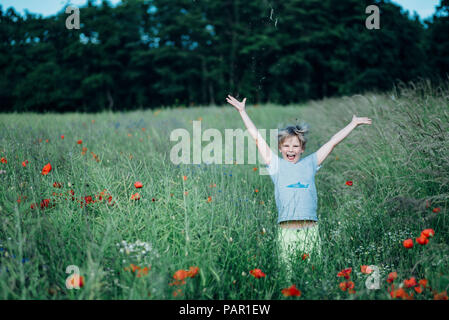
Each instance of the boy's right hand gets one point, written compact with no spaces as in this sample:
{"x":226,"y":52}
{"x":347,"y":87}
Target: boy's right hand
{"x":240,"y":106}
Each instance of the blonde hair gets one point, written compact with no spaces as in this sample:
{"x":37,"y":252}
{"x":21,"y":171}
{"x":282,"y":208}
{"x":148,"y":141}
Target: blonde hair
{"x":299,"y":131}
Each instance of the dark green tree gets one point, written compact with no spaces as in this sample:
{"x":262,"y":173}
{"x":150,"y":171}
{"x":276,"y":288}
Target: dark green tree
{"x":438,"y":40}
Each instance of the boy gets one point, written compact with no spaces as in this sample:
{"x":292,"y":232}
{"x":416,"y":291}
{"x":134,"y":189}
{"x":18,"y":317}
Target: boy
{"x":294,"y":183}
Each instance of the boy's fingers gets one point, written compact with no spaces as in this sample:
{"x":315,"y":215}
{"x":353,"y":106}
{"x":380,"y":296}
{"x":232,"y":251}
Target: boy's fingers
{"x":234,"y":99}
{"x":231,"y":98}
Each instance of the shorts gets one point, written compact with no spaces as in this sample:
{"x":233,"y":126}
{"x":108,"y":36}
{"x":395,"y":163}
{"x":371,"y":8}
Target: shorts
{"x":298,"y":244}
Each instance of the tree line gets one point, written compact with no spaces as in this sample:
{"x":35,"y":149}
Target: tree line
{"x":152,"y":53}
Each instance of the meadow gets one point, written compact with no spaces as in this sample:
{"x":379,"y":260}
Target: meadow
{"x":218,"y":222}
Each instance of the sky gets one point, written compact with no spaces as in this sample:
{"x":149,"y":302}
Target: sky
{"x":424,"y":8}
{"x":44,"y":7}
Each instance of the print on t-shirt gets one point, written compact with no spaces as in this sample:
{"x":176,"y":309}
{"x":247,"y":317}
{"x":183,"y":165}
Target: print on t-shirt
{"x":298,"y":185}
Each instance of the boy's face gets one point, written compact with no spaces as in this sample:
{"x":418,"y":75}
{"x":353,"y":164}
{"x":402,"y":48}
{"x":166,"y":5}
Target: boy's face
{"x":291,"y":149}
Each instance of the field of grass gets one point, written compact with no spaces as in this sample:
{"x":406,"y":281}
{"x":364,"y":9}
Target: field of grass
{"x":213,"y":218}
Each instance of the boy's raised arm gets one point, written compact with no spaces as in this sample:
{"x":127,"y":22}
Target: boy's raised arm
{"x":262,"y":145}
{"x":327,"y":148}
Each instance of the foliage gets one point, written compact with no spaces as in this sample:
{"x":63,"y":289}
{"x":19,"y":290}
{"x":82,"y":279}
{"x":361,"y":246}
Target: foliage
{"x":151,"y":53}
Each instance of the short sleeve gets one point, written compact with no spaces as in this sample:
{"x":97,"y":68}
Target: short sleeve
{"x":315,"y":165}
{"x":273,"y":167}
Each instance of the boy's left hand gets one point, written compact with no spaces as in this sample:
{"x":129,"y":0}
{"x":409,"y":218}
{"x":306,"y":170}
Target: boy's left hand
{"x":362,"y":120}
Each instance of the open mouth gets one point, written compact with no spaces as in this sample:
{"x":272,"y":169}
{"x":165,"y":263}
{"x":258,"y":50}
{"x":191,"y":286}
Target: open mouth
{"x":290,"y":157}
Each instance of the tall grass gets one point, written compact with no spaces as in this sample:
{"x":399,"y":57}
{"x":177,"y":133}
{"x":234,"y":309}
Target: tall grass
{"x":399,"y":167}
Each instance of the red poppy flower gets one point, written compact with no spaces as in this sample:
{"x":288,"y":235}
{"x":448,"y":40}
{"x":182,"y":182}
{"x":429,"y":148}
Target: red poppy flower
{"x":177,"y":292}
{"x":291,"y":291}
{"x":62,"y":137}
{"x":428,"y":233}
{"x":347,"y":285}
{"x":209,"y":199}
{"x":135,"y":196}
{"x":180,"y":275}
{"x":33,"y":206}
{"x":366,"y":269}
{"x":45,"y":203}
{"x":153,"y":199}
{"x":143,"y":271}
{"x":422,"y":240}
{"x":399,"y":293}
{"x":184,"y":177}
{"x":410,"y":282}
{"x":56,"y":185}
{"x":3,"y":160}
{"x":254,"y":169}
{"x":440,"y":296}
{"x":257,"y":190}
{"x":305,"y":256}
{"x":408,"y":243}
{"x":418,"y":289}
{"x":345,"y":273}
{"x":46,"y":169}
{"x":24,"y":163}
{"x":257,"y":273}
{"x":423,"y":283}
{"x":79,"y":141}
{"x":392,"y":276}
{"x":88,"y":199}
{"x":436,"y":210}
{"x":138,"y":184}
{"x":95,"y":156}
{"x":77,"y":280}
{"x":193,"y":271}
{"x":349,"y":183}
{"x":133,"y":267}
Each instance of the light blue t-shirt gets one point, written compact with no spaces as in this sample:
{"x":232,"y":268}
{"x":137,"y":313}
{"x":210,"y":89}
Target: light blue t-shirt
{"x":294,"y":187}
